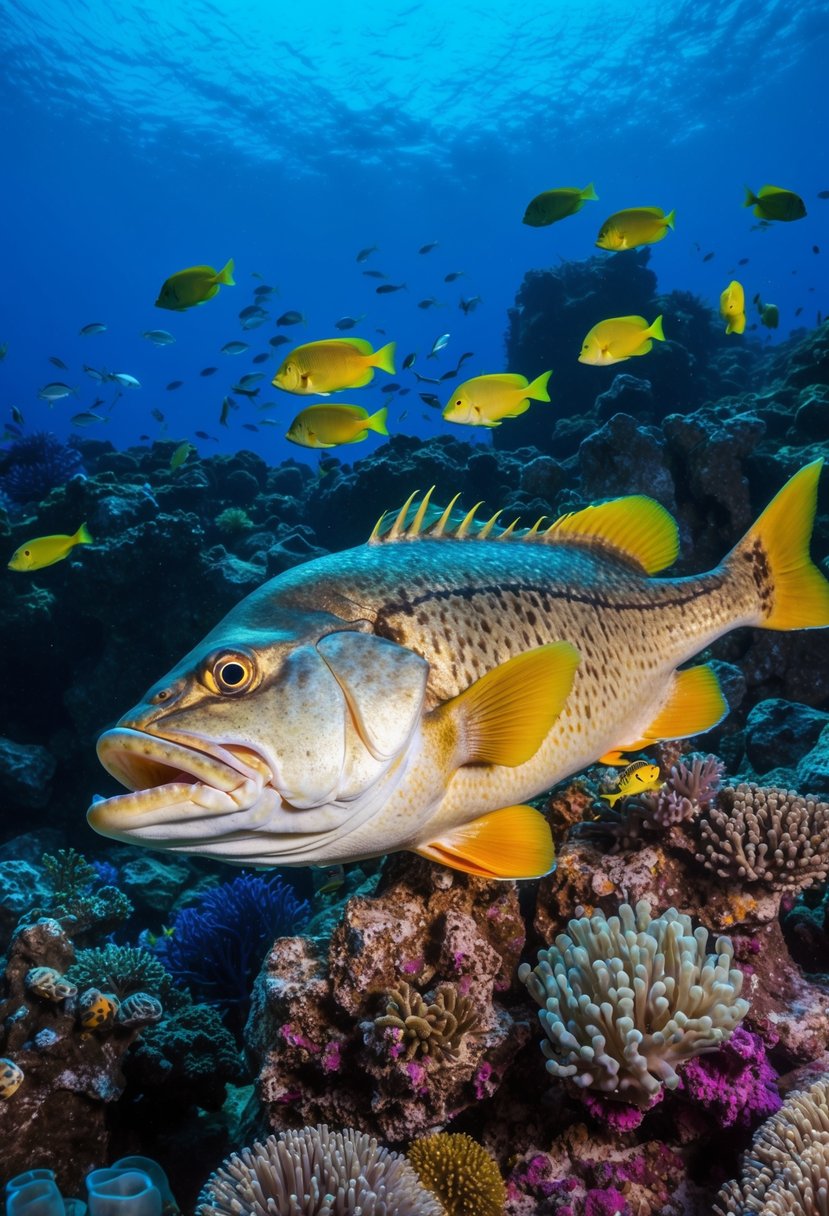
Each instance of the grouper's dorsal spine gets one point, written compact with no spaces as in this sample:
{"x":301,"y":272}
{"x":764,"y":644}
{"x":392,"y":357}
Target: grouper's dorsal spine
{"x":635,"y":529}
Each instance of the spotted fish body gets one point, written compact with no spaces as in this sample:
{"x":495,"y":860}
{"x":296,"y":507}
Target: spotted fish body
{"x":413,"y":692}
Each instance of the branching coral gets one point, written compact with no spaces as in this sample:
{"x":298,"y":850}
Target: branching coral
{"x":786,"y":1170}
{"x":625,"y":1001}
{"x":433,"y":1028}
{"x":217,"y":945}
{"x":78,"y":901}
{"x":768,"y":836}
{"x":120,"y":970}
{"x":460,"y":1173}
{"x":316,"y":1172}
{"x":36,"y":464}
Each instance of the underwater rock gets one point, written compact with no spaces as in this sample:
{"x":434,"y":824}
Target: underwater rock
{"x":154,"y":883}
{"x":624,"y":457}
{"x":813,"y":769}
{"x":314,"y":1026}
{"x":778,"y":732}
{"x":627,"y":395}
{"x":21,"y":887}
{"x":25,"y":772}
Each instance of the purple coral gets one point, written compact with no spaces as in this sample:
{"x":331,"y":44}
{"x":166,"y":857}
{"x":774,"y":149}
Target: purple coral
{"x":37,"y":463}
{"x":737,"y":1085}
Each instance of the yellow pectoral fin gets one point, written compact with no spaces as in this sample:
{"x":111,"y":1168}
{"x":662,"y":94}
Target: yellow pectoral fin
{"x":504,"y":717}
{"x":515,"y":842}
{"x":695,"y":704}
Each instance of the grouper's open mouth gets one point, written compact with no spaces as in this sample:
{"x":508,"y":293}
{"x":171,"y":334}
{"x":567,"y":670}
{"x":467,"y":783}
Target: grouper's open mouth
{"x":170,"y":780}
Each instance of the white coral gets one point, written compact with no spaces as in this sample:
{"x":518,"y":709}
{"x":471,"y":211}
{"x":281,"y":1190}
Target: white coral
{"x":625,"y":1001}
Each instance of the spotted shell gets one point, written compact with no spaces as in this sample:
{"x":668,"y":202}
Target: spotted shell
{"x":96,"y":1009}
{"x":49,"y":984}
{"x":11,"y":1077}
{"x":139,"y":1009}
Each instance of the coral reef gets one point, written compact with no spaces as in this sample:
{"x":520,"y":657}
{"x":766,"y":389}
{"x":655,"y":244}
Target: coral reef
{"x":626,"y":1001}
{"x":786,"y":1171}
{"x":460,"y":1173}
{"x":336,"y":1173}
{"x":36,"y":464}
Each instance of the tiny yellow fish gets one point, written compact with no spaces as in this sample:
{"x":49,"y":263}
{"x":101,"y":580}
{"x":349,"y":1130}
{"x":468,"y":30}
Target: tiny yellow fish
{"x":486,"y":400}
{"x":180,"y":455}
{"x":634,"y":227}
{"x":637,"y":778}
{"x":46,"y":550}
{"x":328,"y":879}
{"x":619,"y":338}
{"x":733,"y":308}
{"x":774,"y":203}
{"x":553,"y":205}
{"x":327,"y":426}
{"x":770,"y":316}
{"x":332,"y":364}
{"x":193,"y":286}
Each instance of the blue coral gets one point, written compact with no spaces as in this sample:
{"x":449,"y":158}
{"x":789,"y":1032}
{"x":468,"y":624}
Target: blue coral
{"x":217,"y":945}
{"x":37,"y":463}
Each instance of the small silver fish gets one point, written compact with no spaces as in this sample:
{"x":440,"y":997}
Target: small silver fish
{"x":56,"y":392}
{"x":94,"y":327}
{"x":158,"y":337}
{"x":438,"y":345}
{"x":366,"y":253}
{"x":234,"y":348}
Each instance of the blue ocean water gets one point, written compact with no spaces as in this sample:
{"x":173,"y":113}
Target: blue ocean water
{"x":141,"y":139}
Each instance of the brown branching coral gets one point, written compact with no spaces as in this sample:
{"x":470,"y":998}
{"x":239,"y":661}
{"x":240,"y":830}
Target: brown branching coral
{"x":769,"y":836}
{"x":460,"y":1173}
{"x":436,"y":1028}
{"x":316,"y":1172}
{"x":786,"y":1170}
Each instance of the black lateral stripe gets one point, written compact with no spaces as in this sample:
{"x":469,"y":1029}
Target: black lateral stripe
{"x":595,"y":600}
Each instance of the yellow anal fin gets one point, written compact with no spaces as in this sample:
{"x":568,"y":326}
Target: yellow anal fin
{"x":515,"y":842}
{"x":695,"y":704}
{"x":638,"y":527}
{"x":504,"y":717}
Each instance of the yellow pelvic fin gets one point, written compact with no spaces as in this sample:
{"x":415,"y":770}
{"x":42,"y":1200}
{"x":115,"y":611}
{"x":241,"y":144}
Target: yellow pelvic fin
{"x":695,"y":704}
{"x":514,"y":842}
{"x":616,"y":757}
{"x":504,"y":717}
{"x":791,"y":591}
{"x":638,"y":527}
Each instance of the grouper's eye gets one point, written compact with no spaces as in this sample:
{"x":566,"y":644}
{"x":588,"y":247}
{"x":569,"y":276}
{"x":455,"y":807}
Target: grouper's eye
{"x":229,"y":672}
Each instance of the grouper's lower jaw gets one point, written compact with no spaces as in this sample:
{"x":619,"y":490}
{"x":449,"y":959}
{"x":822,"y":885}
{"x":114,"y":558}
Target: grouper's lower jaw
{"x":177,"y":789}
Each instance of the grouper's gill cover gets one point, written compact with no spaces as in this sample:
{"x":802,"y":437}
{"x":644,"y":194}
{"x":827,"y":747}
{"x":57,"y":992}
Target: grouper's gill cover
{"x":415,"y":692}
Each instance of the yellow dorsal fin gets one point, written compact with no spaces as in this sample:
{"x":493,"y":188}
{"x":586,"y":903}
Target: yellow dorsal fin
{"x":637,"y":527}
{"x":375,"y":537}
{"x":504,"y":717}
{"x":466,"y":523}
{"x":399,"y":525}
{"x":533,"y":532}
{"x":488,"y":526}
{"x":514,"y":842}
{"x":695,"y":704}
{"x":507,"y":532}
{"x":440,"y":526}
{"x":417,"y":522}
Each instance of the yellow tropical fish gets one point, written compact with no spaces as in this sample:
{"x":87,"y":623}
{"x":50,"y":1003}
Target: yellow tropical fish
{"x":193,"y":286}
{"x":327,"y":426}
{"x":555,"y":205}
{"x":416,"y":692}
{"x":332,"y":364}
{"x":47,"y":550}
{"x":619,"y":338}
{"x":733,"y":308}
{"x":775,"y":203}
{"x":637,"y":778}
{"x":180,"y":455}
{"x":486,"y":400}
{"x":634,"y":227}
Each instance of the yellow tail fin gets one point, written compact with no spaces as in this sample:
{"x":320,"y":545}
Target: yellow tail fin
{"x":384,"y":358}
{"x":82,"y":536}
{"x":589,"y":194}
{"x":791,"y":591}
{"x":225,"y":275}
{"x":670,"y":219}
{"x":538,"y":389}
{"x":377,"y":422}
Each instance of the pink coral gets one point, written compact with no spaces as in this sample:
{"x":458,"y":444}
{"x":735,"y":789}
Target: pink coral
{"x":737,"y":1085}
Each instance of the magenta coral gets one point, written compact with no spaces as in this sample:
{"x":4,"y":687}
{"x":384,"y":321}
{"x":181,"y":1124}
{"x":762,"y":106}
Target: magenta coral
{"x":737,"y":1085}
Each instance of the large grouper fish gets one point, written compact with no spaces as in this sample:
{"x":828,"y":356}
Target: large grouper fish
{"x":414,"y":692}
